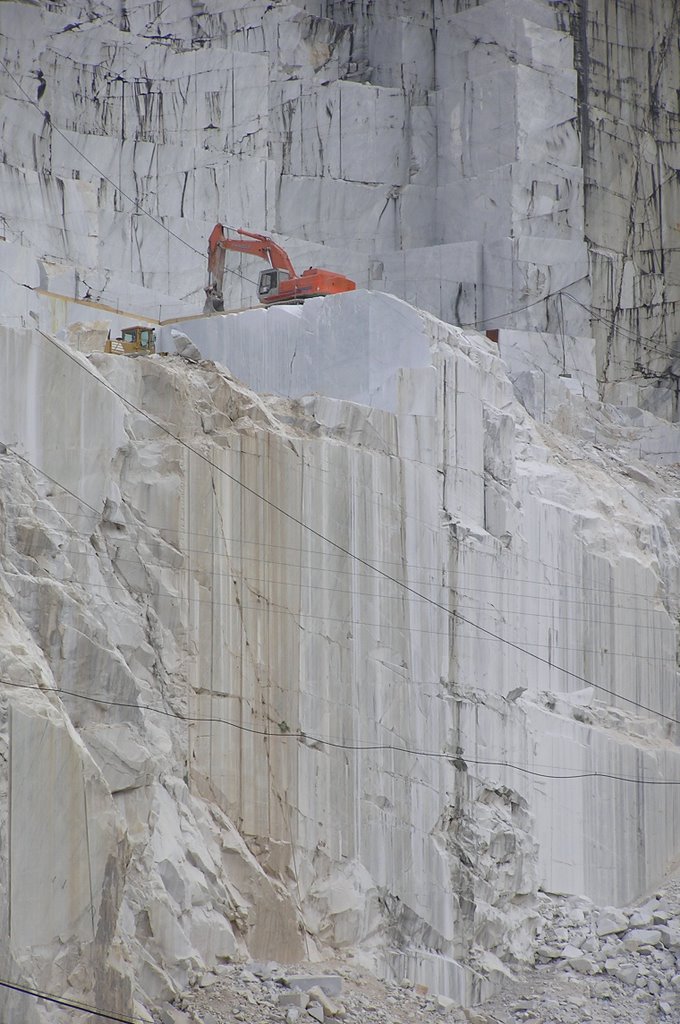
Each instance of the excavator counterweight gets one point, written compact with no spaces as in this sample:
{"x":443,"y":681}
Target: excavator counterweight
{"x":278,"y":284}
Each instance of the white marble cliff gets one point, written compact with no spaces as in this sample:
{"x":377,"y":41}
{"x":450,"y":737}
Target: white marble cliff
{"x":333,"y":627}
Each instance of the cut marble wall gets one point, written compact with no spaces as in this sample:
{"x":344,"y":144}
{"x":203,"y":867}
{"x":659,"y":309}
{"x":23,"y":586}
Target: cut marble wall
{"x":136,"y":867}
{"x":57,"y":884}
{"x":515,"y":31}
{"x":353,"y":346}
{"x":629,"y":124}
{"x":546,"y":369}
{"x":476,"y":447}
{"x":444,"y":277}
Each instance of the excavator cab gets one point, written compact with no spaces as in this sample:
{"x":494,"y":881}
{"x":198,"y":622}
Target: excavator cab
{"x":134,"y":341}
{"x":269,"y":284}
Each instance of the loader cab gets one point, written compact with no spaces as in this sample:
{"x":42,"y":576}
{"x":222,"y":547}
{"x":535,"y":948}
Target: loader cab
{"x":140,"y":339}
{"x":269,"y":284}
{"x":133,"y":341}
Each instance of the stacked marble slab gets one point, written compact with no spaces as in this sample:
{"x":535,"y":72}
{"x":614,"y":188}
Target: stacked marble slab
{"x":436,"y":157}
{"x":401,"y":151}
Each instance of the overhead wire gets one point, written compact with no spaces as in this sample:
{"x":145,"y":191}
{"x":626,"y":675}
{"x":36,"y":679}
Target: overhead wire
{"x":272,"y":607}
{"x":366,"y":453}
{"x":250,"y":582}
{"x":268,"y":580}
{"x":442,"y":573}
{"x":625,"y":332}
{"x":457,"y":572}
{"x":416,"y":461}
{"x":61,"y":486}
{"x":72,"y":1004}
{"x":373,"y":567}
{"x":511,"y":312}
{"x":591,"y":310}
{"x":311,"y":739}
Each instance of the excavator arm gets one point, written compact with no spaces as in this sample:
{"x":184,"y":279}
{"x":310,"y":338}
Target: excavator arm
{"x":251,"y":243}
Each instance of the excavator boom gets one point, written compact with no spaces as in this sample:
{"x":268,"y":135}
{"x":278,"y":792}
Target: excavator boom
{"x":280,"y":283}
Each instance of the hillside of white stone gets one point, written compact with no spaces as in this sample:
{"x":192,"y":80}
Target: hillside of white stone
{"x":336,"y":628}
{"x":309,"y":675}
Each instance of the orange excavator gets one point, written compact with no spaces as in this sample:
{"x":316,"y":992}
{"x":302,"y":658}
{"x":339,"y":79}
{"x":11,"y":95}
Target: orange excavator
{"x":278,"y":284}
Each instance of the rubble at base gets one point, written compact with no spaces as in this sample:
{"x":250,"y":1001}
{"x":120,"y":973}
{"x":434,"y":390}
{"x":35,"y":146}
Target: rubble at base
{"x":579,"y":975}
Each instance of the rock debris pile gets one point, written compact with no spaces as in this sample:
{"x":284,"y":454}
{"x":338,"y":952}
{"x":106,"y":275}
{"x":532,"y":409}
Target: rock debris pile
{"x":272,"y":994}
{"x":595,"y":964}
{"x":639,"y":947}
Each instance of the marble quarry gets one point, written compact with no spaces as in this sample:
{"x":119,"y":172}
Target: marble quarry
{"x":344,"y":628}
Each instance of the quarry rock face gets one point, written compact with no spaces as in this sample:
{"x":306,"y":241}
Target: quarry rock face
{"x":336,"y":627}
{"x":231,"y":727}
